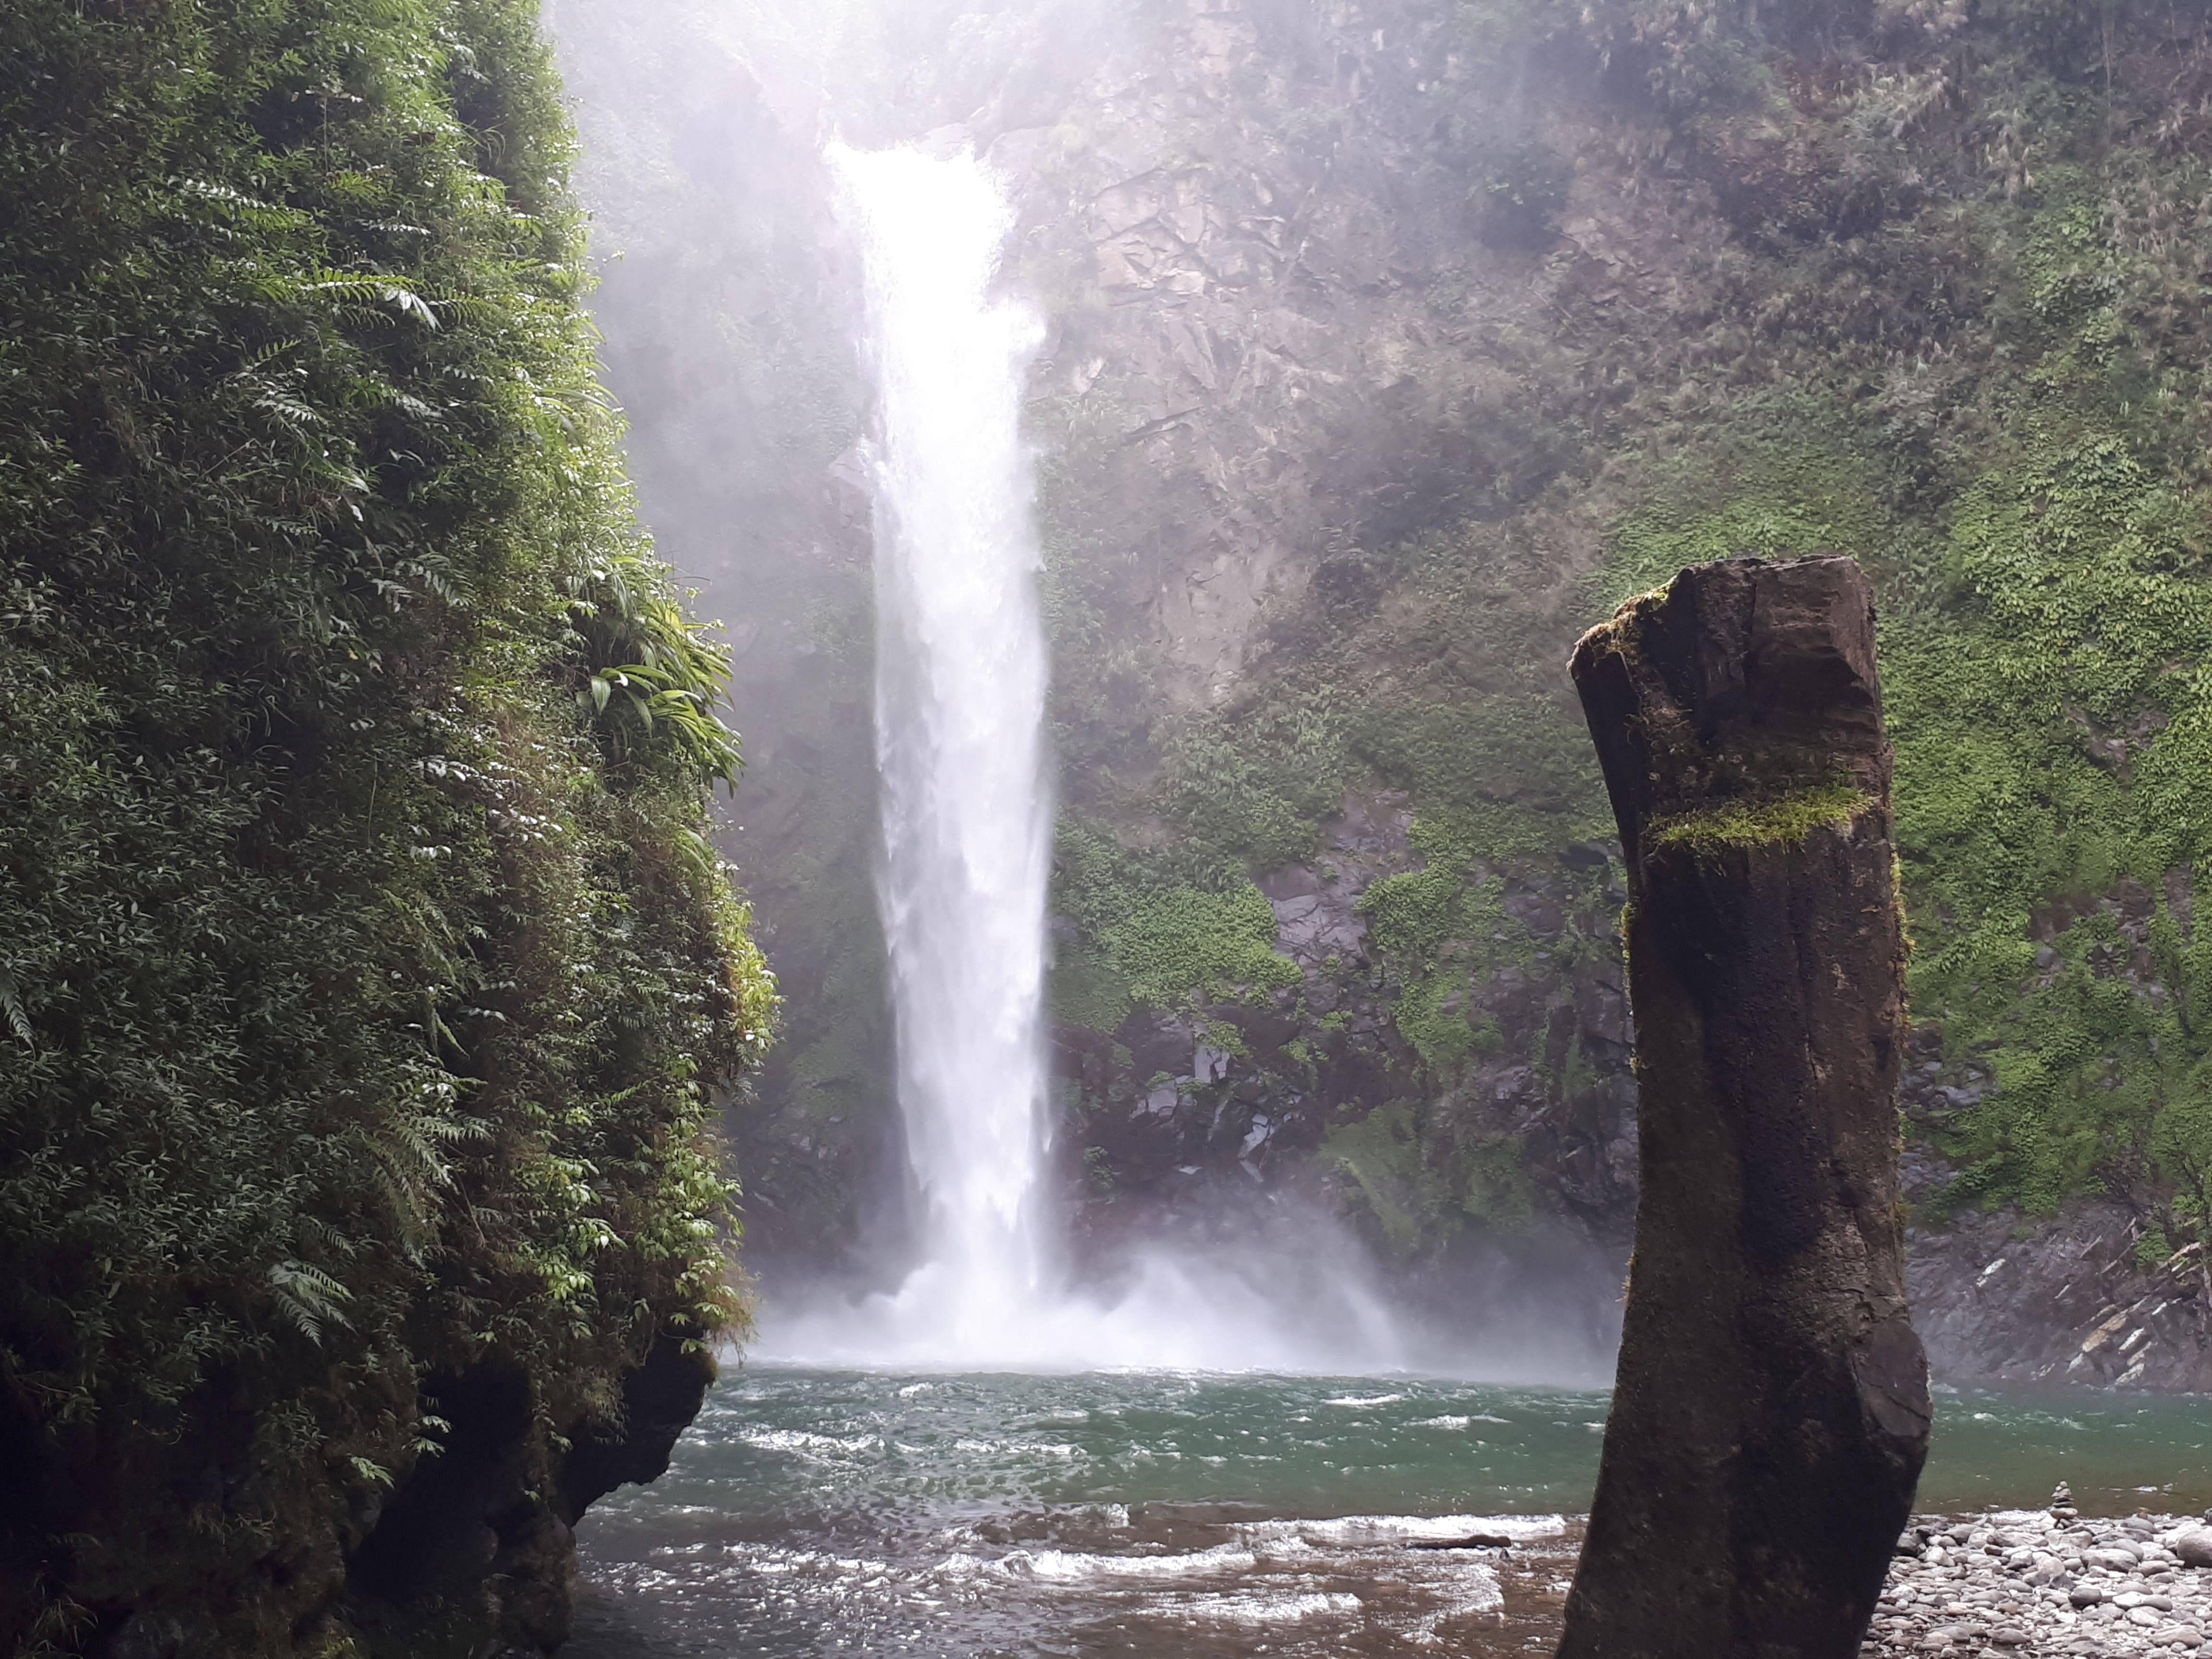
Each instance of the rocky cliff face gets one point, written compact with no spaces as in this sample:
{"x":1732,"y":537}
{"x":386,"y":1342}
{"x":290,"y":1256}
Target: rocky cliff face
{"x":2010,"y":1299}
{"x":1389,"y":345}
{"x":1164,"y":1107}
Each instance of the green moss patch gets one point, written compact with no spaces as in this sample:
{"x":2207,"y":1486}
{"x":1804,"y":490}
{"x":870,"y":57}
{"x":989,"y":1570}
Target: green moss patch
{"x":1381,"y":1153}
{"x":1152,"y":934}
{"x":1088,"y":990}
{"x":1786,"y":819}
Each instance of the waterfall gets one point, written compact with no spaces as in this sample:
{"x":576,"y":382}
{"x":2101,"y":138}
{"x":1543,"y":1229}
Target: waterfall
{"x":966,"y":853}
{"x":960,"y":688}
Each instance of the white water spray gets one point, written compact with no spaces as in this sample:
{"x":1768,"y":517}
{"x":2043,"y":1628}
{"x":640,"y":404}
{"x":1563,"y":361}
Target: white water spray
{"x":960,"y":687}
{"x":967,"y":825}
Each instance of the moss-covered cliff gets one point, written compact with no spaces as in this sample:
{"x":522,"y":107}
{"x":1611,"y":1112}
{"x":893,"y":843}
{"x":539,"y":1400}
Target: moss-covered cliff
{"x":365,"y":972}
{"x":1392,"y":345}
{"x":1625,"y":288}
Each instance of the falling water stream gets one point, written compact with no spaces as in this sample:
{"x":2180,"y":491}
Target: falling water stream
{"x":960,"y":688}
{"x":966,"y":849}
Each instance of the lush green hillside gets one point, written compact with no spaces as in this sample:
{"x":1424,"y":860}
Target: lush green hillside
{"x":364,"y":971}
{"x":1922,"y":284}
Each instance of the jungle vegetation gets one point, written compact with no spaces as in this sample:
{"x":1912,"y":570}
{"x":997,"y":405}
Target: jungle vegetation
{"x":365,"y":974}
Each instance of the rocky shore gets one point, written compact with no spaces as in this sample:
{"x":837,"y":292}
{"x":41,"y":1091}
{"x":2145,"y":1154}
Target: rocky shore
{"x":2047,"y":1583}
{"x":2008,"y":1584}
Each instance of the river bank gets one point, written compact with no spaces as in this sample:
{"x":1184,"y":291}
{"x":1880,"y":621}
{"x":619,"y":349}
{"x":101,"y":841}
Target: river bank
{"x":2029,"y":1583}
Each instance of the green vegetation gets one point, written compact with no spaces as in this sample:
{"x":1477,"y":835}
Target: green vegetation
{"x":2038,"y":654}
{"x":1787,"y":817}
{"x":1163,"y":938}
{"x":1779,"y":482}
{"x":1442,"y":928}
{"x":365,"y":969}
{"x":1382,"y":1152}
{"x":1416,"y":1179}
{"x":1945,"y":312}
{"x":1488,"y":746}
{"x":2041,"y":627}
{"x":2053,"y":798}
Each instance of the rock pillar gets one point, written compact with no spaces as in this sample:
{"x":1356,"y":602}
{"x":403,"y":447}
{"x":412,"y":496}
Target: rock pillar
{"x":1770,"y":1413}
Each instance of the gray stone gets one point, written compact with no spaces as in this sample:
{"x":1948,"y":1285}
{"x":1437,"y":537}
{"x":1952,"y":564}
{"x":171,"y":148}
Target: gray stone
{"x":2194,"y":1547}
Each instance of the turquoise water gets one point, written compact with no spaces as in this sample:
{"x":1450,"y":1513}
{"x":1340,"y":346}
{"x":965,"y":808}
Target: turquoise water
{"x":817,"y":1512}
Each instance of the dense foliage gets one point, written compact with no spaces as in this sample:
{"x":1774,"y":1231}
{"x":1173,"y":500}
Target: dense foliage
{"x":364,"y":969}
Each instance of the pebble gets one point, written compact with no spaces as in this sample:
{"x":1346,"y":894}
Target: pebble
{"x":2027,"y":1586}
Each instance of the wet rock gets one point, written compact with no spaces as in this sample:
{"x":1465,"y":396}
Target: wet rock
{"x":1476,"y":1541}
{"x":2009,"y":1298}
{"x":1771,"y":1414}
{"x":658,"y":1401}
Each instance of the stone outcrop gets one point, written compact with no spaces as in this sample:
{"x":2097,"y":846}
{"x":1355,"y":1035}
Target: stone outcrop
{"x":1771,"y":1411}
{"x":2066,"y":1300}
{"x":476,"y":1551}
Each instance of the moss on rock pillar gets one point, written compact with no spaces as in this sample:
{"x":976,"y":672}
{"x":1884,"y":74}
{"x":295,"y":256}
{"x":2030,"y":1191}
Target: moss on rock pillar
{"x":1771,"y":1414}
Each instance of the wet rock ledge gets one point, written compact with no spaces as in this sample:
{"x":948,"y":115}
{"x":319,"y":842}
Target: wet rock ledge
{"x":2034,"y":1585}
